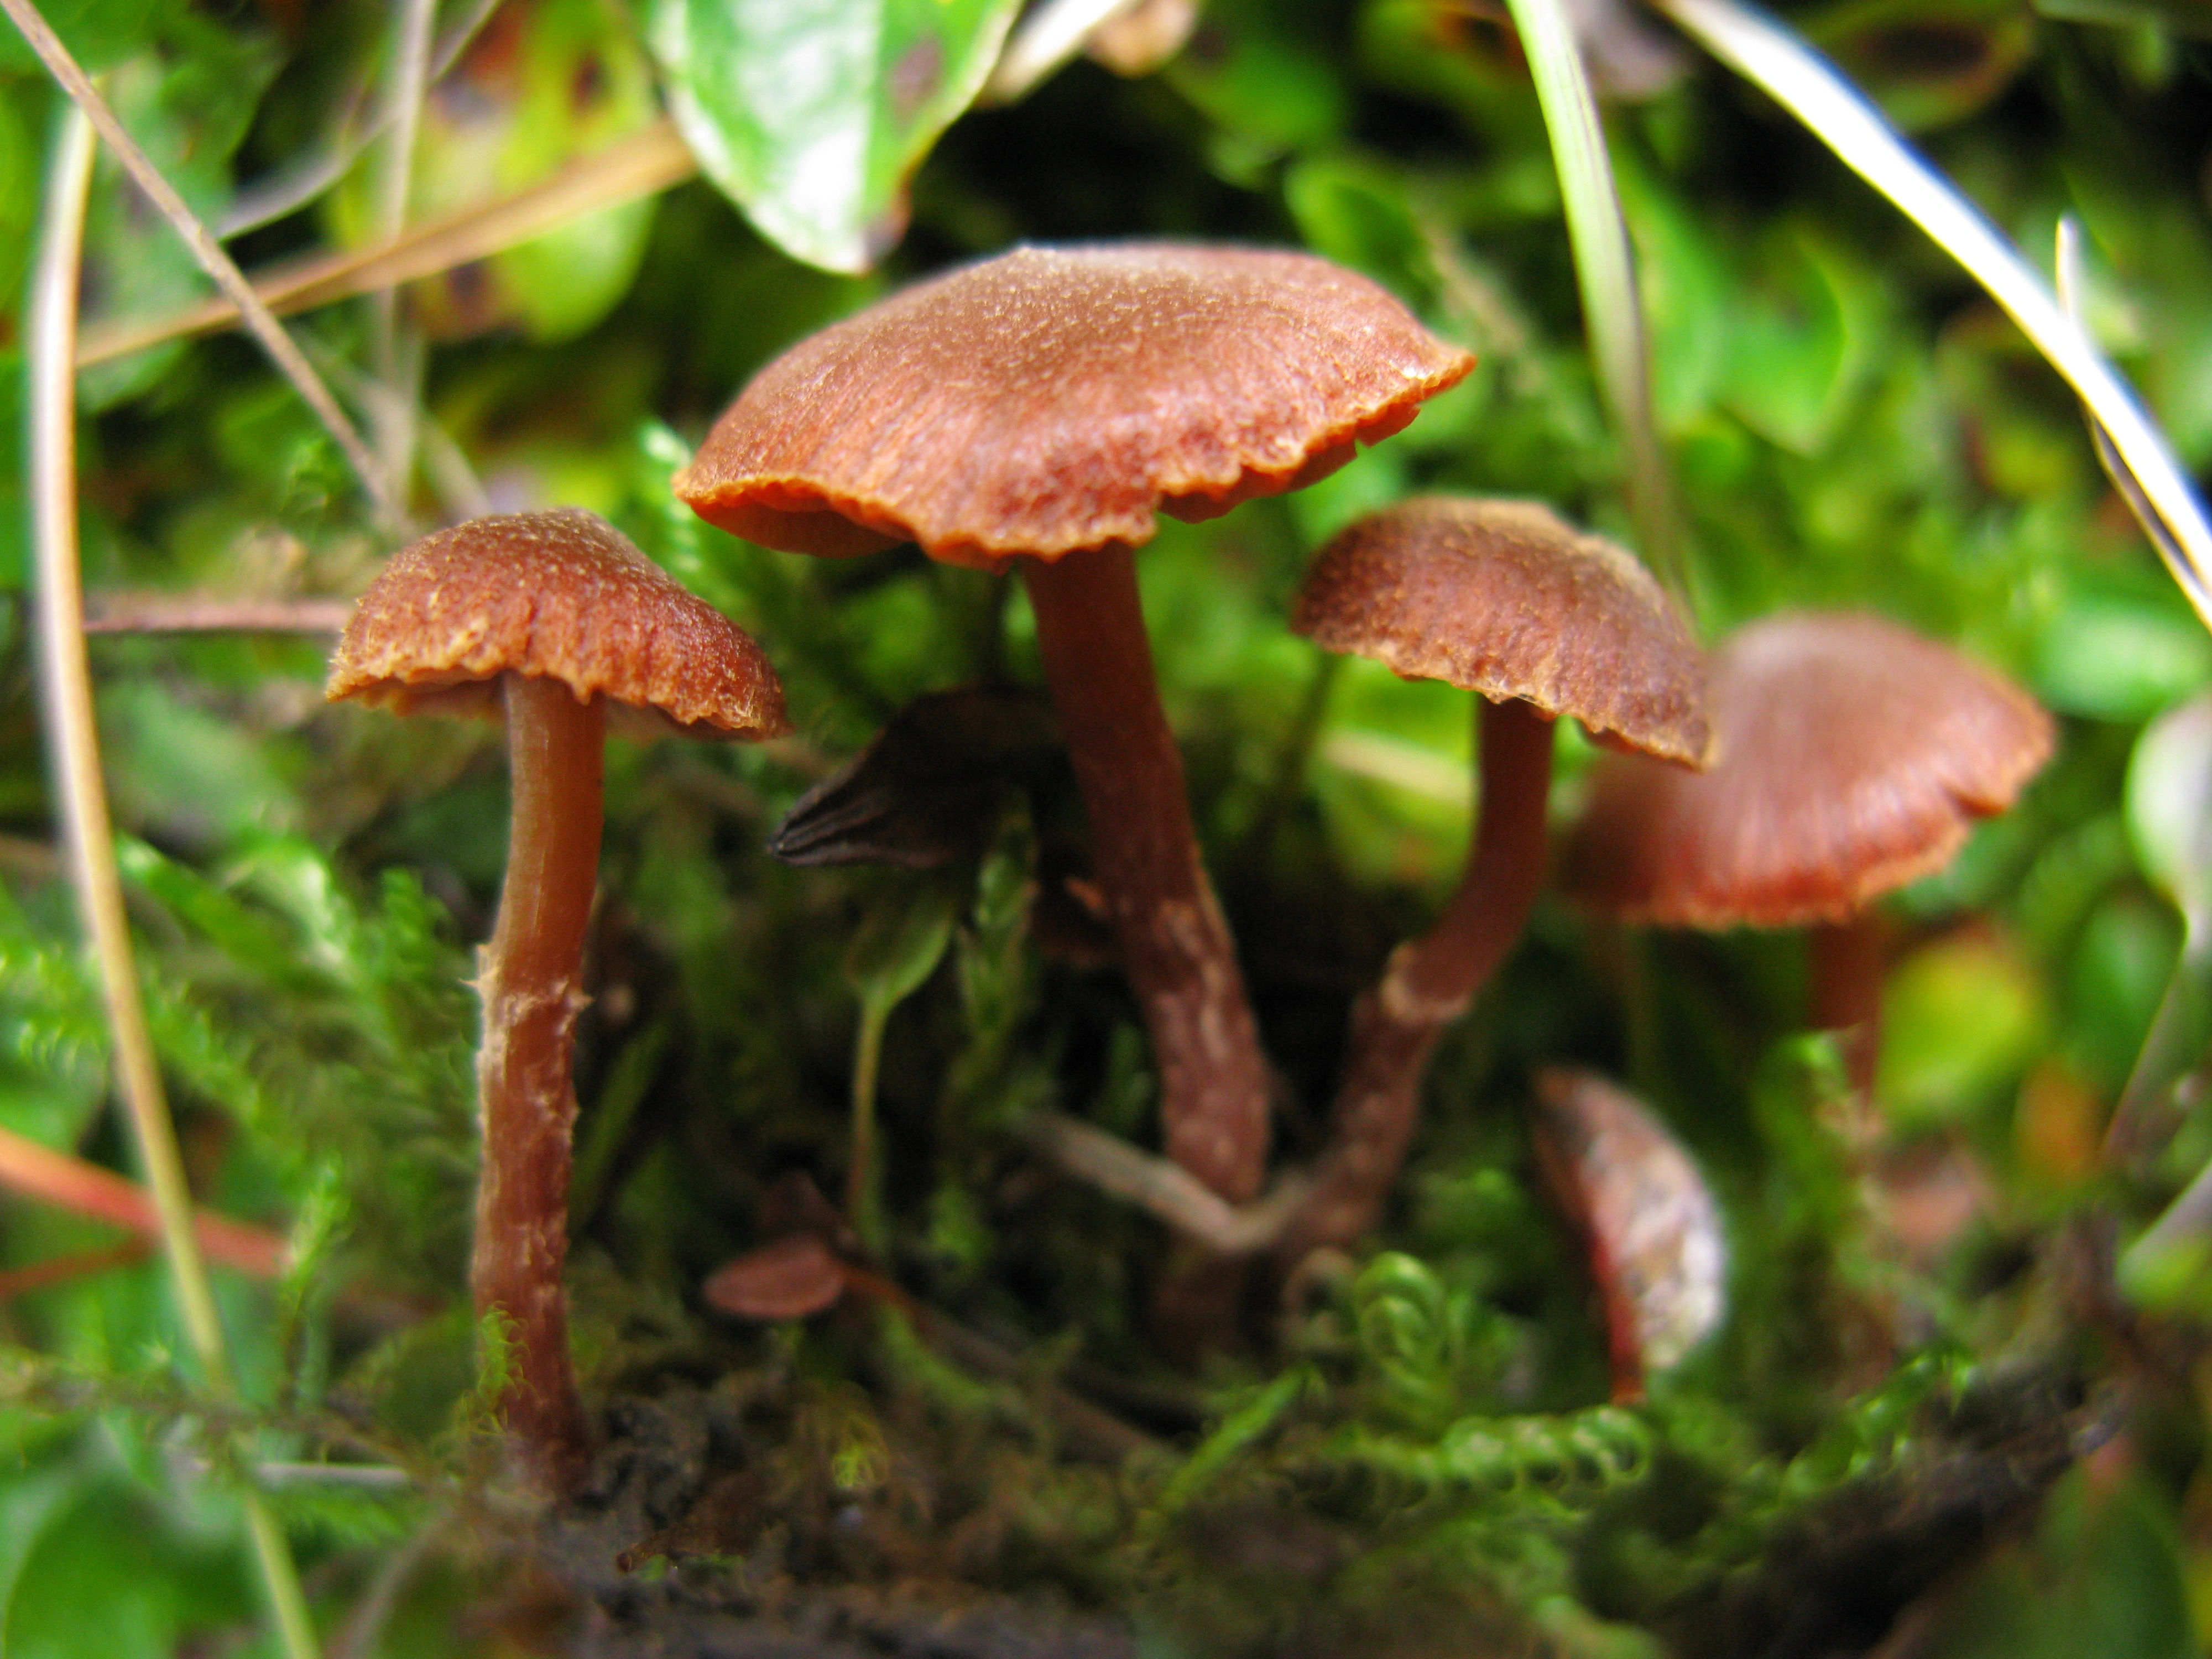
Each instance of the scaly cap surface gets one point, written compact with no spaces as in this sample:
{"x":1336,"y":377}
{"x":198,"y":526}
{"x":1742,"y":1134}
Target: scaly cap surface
{"x":1052,"y":399}
{"x":560,"y":594}
{"x":1506,"y":599}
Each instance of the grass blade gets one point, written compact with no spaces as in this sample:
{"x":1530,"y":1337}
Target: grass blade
{"x":281,"y":347}
{"x":1604,"y":270}
{"x":1838,"y":113}
{"x":66,"y":695}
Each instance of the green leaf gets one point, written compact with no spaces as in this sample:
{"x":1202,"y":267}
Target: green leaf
{"x":1266,"y":79}
{"x":812,"y":118}
{"x":570,"y":81}
{"x":2170,"y":805}
{"x":2102,"y":1574}
{"x":189,"y":102}
{"x":1803,"y":344}
{"x":899,"y":947}
{"x":2120,"y":651}
{"x":109,"y":1574}
{"x":98,"y":32}
{"x":1959,"y":1018}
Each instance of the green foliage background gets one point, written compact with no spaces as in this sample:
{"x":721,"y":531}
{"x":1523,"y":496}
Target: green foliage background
{"x":1851,"y":424}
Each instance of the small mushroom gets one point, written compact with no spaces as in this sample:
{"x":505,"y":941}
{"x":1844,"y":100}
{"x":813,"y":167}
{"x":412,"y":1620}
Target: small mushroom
{"x":793,"y":1276}
{"x":552,"y":617}
{"x":1501,"y":598}
{"x":1854,"y":756}
{"x":1035,"y":412}
{"x":1647,"y":1221}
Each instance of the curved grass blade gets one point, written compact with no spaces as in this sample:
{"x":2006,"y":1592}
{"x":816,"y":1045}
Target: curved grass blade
{"x":1604,"y":270}
{"x":1838,"y":113}
{"x":2161,"y":534}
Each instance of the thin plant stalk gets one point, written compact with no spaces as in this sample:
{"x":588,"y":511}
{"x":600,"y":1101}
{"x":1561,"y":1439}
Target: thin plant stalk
{"x":398,"y":353}
{"x":1604,"y":270}
{"x":2068,"y":269}
{"x":65,"y":684}
{"x":1163,"y":1188}
{"x":1294,"y":757}
{"x":265,"y":327}
{"x":2145,"y":1116}
{"x":643,"y":164}
{"x":195,"y":613}
{"x":1838,"y":113}
{"x":864,"y":1205}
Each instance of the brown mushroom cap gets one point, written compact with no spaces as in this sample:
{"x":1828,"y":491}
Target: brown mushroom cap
{"x":1050,"y":399}
{"x":1853,"y":757}
{"x":788,"y":1277}
{"x":562,"y":595}
{"x":1504,"y":597}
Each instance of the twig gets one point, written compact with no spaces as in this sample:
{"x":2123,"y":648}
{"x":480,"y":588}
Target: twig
{"x":1164,"y":1188}
{"x":41,"y":1172}
{"x":643,"y":164}
{"x":194,"y":613}
{"x":1402,"y":765}
{"x":65,"y":684}
{"x":411,"y":81}
{"x":212,"y":259}
{"x":1838,"y":113}
{"x":306,"y":1475}
{"x":1604,"y":270}
{"x":460,"y":493}
{"x":78,"y":1264}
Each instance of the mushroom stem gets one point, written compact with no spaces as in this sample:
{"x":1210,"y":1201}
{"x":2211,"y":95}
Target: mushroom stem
{"x":1844,"y":960}
{"x":1176,"y":944}
{"x":1429,"y":983}
{"x":530,"y":979}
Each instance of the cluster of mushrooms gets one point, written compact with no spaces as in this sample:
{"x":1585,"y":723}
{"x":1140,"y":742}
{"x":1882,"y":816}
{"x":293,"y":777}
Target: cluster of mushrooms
{"x":1030,"y":415}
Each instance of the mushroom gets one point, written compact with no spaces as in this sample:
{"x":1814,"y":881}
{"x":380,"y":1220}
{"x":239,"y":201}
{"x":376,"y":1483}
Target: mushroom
{"x":1854,"y":756}
{"x":1649,"y":1227}
{"x":551,"y":617}
{"x":1501,"y":598}
{"x":1034,"y":412}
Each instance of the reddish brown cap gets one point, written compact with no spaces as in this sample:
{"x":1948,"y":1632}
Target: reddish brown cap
{"x":1504,"y":597}
{"x":789,"y":1278}
{"x":1654,"y":1232}
{"x":1051,"y":399}
{"x":1853,"y":757}
{"x":560,"y":594}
